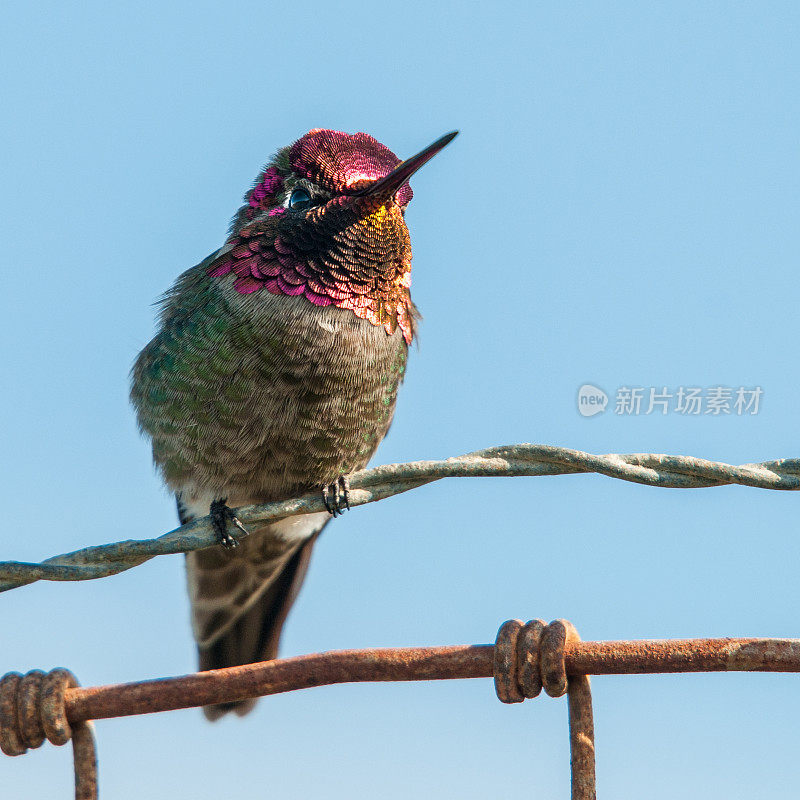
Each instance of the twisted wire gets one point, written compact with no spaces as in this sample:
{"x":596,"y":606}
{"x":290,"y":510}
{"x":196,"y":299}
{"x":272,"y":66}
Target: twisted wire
{"x":33,"y":708}
{"x":368,"y":486}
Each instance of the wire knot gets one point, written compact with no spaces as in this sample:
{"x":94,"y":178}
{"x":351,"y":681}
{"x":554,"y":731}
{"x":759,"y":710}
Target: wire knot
{"x":32,"y":709}
{"x":529,"y":657}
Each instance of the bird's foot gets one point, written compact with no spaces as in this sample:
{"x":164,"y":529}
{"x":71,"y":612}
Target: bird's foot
{"x":336,"y":496}
{"x":221,"y":515}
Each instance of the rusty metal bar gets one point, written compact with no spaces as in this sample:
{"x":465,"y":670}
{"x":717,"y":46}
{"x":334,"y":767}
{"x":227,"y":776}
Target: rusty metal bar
{"x":525,"y":658}
{"x":581,"y":738}
{"x":422,"y":663}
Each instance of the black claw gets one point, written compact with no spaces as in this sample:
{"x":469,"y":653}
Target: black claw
{"x":336,"y":496}
{"x":221,"y":515}
{"x":326,"y":490}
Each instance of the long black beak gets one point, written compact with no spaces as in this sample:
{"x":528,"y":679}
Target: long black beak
{"x":400,"y":175}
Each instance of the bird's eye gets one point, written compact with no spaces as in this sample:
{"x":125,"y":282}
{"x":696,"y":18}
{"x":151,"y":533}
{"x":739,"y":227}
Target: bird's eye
{"x":300,"y":199}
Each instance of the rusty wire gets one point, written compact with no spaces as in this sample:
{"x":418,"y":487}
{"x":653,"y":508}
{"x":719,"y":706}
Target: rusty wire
{"x":523,"y":659}
{"x":367,"y":486}
{"x":423,"y":663}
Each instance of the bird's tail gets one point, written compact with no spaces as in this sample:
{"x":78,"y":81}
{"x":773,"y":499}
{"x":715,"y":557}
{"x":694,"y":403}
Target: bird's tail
{"x":241,"y":598}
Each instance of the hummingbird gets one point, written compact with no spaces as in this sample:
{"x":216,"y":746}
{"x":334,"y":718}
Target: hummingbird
{"x":274,"y":373}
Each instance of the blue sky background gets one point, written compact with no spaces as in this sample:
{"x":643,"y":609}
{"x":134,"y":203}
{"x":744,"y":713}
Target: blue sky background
{"x":621,"y":208}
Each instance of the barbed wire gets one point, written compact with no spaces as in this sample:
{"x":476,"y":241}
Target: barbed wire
{"x":369,"y":486}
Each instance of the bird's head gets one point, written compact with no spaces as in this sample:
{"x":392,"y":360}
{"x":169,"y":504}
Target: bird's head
{"x":325,"y":220}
